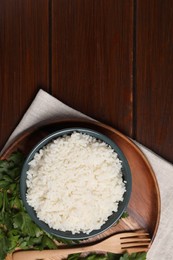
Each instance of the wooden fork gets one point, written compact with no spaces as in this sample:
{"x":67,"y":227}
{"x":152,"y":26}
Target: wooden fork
{"x":129,"y":242}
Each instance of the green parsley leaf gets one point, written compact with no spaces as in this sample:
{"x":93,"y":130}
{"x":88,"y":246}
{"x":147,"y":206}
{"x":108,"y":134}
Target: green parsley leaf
{"x":134,"y":256}
{"x":108,"y":256}
{"x":4,"y":245}
{"x":125,"y":214}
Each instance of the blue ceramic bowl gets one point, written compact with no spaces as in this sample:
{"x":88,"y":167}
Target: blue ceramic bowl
{"x":126,"y":176}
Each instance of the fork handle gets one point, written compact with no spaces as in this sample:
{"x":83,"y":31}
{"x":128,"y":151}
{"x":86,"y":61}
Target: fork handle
{"x":47,"y":254}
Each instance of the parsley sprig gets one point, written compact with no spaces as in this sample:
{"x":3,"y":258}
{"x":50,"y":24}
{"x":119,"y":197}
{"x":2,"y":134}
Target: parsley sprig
{"x":17,"y":230}
{"x":109,"y":256}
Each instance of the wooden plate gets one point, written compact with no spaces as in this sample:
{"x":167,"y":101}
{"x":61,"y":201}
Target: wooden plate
{"x":144,"y":205}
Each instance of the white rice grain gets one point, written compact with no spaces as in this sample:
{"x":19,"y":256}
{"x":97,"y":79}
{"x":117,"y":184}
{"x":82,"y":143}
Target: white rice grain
{"x":75,"y":183}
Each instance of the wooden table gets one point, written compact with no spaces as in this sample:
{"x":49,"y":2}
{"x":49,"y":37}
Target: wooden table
{"x":110,"y":59}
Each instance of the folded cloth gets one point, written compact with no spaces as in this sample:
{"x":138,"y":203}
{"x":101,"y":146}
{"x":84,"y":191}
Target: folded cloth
{"x":45,"y":107}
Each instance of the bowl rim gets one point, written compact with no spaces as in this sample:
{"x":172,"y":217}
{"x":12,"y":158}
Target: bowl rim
{"x":126,"y":175}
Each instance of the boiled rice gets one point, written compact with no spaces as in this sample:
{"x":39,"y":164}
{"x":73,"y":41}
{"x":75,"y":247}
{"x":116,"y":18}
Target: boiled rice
{"x":75,"y":183}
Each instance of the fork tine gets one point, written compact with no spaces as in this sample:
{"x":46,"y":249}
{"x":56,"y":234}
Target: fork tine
{"x":133,"y":234}
{"x":134,"y":245}
{"x":136,"y":250}
{"x":128,"y":240}
{"x":135,"y":242}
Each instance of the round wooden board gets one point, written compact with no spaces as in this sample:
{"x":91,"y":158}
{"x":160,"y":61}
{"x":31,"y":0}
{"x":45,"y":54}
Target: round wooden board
{"x":144,"y":205}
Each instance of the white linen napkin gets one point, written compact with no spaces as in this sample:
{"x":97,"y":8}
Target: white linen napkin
{"x":45,"y":107}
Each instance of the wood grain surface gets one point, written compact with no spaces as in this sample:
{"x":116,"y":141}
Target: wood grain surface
{"x":24,"y":58}
{"x":154,"y":68}
{"x":111,"y":59}
{"x":92,"y":44}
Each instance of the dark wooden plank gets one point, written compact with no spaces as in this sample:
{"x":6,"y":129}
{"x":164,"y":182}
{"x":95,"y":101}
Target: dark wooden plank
{"x":92,"y":51}
{"x":23,"y":60}
{"x":155,"y":75}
